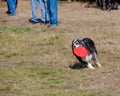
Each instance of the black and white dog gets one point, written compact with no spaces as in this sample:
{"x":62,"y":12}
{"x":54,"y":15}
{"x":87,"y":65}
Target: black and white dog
{"x":91,"y":58}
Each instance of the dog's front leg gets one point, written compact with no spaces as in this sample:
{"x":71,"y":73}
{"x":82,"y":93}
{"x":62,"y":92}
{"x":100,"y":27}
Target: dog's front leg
{"x":90,"y":66}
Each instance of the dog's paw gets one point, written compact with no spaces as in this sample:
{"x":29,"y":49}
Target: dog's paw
{"x":99,"y":65}
{"x":90,"y":66}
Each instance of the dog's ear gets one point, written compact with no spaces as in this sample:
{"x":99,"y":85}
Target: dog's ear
{"x":73,"y":41}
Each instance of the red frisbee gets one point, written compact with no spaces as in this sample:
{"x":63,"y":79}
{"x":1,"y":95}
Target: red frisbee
{"x":80,"y":51}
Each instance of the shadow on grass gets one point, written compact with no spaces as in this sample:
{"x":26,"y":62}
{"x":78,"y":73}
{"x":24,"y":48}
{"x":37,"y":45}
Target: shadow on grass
{"x":78,"y":66}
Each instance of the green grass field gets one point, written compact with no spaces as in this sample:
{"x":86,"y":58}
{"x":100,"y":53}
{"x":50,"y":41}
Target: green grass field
{"x":35,"y":60}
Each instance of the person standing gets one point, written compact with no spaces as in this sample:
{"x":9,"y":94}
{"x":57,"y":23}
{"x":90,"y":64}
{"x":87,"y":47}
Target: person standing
{"x":52,"y":9}
{"x":12,"y":5}
{"x":34,"y":18}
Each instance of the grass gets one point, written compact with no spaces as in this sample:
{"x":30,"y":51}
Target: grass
{"x":36,"y":60}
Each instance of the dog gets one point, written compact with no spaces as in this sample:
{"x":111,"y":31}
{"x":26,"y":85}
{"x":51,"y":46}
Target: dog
{"x":90,"y":59}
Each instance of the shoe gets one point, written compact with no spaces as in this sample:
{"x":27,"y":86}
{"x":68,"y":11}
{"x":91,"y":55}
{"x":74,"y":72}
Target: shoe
{"x":32,"y":21}
{"x":52,"y":26}
{"x":44,"y":22}
{"x":7,"y":12}
{"x":12,"y":14}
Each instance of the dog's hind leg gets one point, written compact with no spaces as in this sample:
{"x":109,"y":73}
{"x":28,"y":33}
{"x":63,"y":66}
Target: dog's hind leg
{"x":95,"y":60}
{"x":90,"y":66}
{"x":98,"y":64}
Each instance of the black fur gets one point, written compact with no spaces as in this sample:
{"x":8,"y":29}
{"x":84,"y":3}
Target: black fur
{"x":89,"y":44}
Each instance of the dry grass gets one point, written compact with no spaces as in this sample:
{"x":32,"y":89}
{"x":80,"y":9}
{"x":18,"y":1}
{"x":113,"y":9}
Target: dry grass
{"x":35,"y":60}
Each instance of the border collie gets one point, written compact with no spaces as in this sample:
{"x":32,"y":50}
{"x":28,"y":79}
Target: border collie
{"x":90,"y":55}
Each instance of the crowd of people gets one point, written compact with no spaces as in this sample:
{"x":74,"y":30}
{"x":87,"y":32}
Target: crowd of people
{"x":49,"y":8}
{"x":107,"y":4}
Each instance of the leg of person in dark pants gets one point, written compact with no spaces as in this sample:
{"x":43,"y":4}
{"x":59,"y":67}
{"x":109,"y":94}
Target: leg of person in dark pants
{"x":52,"y":9}
{"x":43,"y":11}
{"x":11,"y":7}
{"x":34,"y":18}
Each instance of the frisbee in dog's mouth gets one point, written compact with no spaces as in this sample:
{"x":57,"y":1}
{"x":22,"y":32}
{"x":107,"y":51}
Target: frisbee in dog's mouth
{"x":80,"y":51}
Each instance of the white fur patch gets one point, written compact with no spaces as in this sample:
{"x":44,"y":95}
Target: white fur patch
{"x":87,"y":58}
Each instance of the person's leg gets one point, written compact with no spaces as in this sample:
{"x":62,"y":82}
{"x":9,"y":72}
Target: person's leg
{"x":48,"y":10}
{"x":104,"y":4}
{"x":100,"y":3}
{"x":16,"y":2}
{"x":34,"y":8}
{"x":11,"y":7}
{"x":54,"y":12}
{"x":8,"y":12}
{"x":43,"y":10}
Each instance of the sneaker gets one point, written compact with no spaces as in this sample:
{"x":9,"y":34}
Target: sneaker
{"x":44,"y":22}
{"x":7,"y":12}
{"x":52,"y":26}
{"x":33,"y":21}
{"x":12,"y":14}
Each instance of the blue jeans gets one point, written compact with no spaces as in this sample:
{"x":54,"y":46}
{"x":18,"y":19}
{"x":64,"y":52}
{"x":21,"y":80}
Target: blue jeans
{"x":34,"y":8}
{"x":12,"y":6}
{"x":52,"y":9}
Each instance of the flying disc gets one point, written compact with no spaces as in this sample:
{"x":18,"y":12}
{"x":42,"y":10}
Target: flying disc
{"x":80,"y":51}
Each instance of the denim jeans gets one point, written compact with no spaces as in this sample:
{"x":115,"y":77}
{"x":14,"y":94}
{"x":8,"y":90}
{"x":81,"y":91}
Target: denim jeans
{"x":52,"y":10}
{"x":12,"y":6}
{"x":34,"y":9}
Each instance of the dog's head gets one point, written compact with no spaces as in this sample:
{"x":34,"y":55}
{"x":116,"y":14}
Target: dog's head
{"x":76,"y":43}
{"x":78,"y":48}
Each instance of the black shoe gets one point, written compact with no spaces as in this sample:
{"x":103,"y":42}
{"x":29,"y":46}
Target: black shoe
{"x":52,"y":26}
{"x":43,"y":22}
{"x":11,"y":14}
{"x":33,"y":22}
{"x":8,"y":12}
